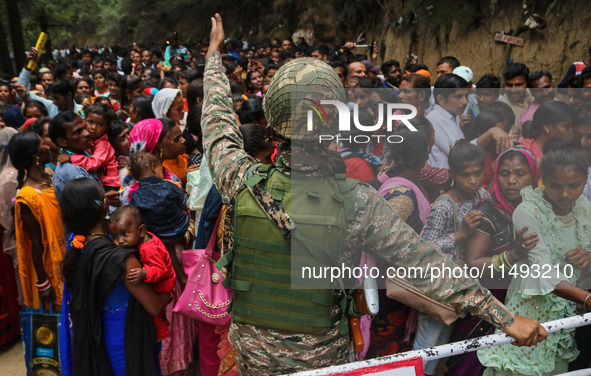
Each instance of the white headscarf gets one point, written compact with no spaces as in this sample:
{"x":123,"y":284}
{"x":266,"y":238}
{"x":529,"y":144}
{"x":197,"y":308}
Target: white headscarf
{"x":163,"y":100}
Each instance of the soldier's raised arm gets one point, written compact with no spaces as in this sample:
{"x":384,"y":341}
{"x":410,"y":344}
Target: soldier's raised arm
{"x":222,"y":141}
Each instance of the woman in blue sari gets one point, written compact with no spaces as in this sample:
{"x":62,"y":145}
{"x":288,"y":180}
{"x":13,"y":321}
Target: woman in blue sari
{"x":111,"y":325}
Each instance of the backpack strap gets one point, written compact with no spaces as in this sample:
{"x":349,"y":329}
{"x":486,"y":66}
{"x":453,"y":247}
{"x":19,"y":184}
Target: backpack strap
{"x":344,"y":190}
{"x":265,"y":200}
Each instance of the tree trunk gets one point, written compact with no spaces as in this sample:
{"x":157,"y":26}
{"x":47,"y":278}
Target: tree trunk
{"x":16,"y":33}
{"x":5,"y":62}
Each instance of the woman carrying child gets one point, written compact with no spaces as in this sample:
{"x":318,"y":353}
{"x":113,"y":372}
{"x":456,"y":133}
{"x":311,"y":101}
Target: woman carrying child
{"x":162,"y":138}
{"x":162,"y":204}
{"x":112,"y":331}
{"x":127,"y":229}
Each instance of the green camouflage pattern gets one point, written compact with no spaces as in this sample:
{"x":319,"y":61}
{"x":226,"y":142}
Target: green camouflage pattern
{"x":290,"y":90}
{"x":377,"y":230}
{"x":277,"y":353}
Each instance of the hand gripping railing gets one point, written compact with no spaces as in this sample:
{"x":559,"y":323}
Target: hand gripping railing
{"x":450,"y":349}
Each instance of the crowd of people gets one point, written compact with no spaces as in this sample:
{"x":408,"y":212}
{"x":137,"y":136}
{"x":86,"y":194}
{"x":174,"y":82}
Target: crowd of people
{"x":115,"y":161}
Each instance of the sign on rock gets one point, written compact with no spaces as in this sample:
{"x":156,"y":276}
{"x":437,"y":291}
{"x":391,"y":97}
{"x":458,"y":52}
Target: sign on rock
{"x":516,"y":41}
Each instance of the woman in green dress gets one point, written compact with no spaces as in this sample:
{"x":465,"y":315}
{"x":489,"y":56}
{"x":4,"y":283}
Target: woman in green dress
{"x":543,"y":287}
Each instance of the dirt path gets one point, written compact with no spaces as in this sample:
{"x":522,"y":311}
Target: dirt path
{"x":12,"y":360}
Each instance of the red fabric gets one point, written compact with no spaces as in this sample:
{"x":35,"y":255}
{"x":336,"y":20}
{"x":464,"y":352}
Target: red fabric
{"x":488,"y":171}
{"x":102,"y":161}
{"x":378,"y":149}
{"x":27,"y":124}
{"x":156,"y":260}
{"x":209,"y":361}
{"x":434,"y":180}
{"x":530,"y":144}
{"x":157,"y":263}
{"x":9,"y":319}
{"x":359,"y":169}
{"x":579,"y":66}
{"x":274,"y":155}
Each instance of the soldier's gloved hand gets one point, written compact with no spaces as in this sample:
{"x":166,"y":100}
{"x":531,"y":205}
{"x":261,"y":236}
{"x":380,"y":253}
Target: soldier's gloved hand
{"x":526,"y":332}
{"x":216,"y":37}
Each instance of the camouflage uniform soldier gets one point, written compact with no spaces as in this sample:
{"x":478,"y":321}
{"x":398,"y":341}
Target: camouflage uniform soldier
{"x":376,"y":228}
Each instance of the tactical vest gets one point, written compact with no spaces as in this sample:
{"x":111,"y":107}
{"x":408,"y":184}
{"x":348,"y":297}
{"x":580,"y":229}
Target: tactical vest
{"x":261,"y":261}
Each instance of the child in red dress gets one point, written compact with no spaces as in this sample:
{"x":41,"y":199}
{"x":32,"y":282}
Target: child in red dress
{"x":128,"y":230}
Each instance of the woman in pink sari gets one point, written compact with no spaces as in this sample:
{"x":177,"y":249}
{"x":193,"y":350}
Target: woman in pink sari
{"x":393,"y":327}
{"x":162,"y":138}
{"x":400,"y":179}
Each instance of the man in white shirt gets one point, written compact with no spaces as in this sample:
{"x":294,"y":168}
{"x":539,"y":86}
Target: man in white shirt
{"x":451,"y":98}
{"x":516,"y":94}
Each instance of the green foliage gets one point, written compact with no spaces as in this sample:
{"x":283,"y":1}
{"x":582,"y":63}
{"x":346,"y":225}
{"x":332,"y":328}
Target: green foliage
{"x":86,"y":22}
{"x":149,"y":21}
{"x":67,"y":21}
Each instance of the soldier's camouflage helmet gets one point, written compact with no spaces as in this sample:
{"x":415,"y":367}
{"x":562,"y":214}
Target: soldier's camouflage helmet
{"x":296,"y":88}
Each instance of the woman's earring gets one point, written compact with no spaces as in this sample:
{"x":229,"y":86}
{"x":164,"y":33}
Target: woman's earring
{"x":452,"y":182}
{"x":161,"y":159}
{"x":37,"y":160}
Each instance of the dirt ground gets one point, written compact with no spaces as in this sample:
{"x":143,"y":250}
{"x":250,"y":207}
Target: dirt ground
{"x":12,"y":360}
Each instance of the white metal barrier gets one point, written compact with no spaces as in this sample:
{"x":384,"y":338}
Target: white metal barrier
{"x":581,"y":372}
{"x":450,"y":349}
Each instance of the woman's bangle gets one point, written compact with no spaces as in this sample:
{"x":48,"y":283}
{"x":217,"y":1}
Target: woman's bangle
{"x":43,"y":286}
{"x":510,"y":258}
{"x":585,"y":302}
{"x":505,"y":261}
{"x":496,"y":262}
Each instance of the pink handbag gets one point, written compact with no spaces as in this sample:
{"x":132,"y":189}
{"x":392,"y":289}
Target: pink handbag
{"x":204,"y":298}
